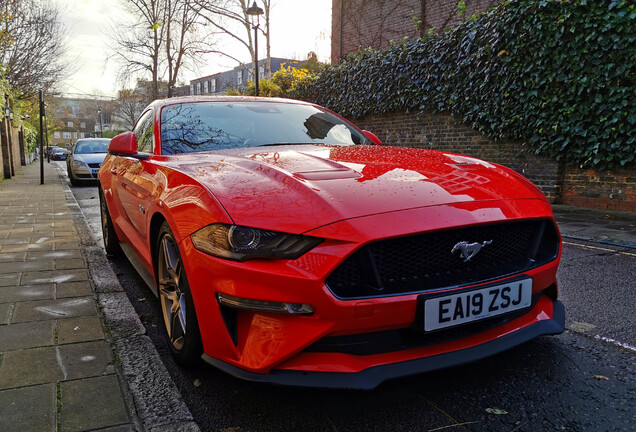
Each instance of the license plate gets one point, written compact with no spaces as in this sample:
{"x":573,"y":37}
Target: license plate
{"x":469,"y":306}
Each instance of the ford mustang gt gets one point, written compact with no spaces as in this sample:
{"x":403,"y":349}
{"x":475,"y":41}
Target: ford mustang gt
{"x":285,"y":245}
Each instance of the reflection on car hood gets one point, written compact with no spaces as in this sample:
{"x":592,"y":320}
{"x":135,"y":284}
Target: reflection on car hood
{"x":90,"y":157}
{"x":303,"y":187}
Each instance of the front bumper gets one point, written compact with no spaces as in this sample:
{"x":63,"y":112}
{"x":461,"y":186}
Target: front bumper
{"x":85,"y":173}
{"x":279,"y":348}
{"x":370,"y":378}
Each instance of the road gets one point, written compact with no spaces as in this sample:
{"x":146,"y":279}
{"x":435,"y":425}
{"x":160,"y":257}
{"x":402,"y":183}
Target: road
{"x":582,"y":380}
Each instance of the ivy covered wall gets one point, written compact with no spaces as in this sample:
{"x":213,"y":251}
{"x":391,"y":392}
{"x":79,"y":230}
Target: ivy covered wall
{"x":558,"y":75}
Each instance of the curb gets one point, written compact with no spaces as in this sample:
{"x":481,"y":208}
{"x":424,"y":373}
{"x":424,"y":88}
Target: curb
{"x":601,"y":240}
{"x":153,"y":400}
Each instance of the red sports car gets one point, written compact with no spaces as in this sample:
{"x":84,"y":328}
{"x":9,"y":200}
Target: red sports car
{"x":285,"y":245}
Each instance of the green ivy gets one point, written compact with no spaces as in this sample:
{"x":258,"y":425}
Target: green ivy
{"x":558,"y":75}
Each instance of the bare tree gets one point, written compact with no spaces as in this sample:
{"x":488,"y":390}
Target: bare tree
{"x":128,"y":107}
{"x":230,"y":18}
{"x":137,"y":47}
{"x":36,"y":58}
{"x":183,"y":40}
{"x":163,"y":38}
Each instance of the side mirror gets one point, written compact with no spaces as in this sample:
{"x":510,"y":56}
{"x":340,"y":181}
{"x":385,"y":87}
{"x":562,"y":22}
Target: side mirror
{"x":123,"y":144}
{"x":373,"y":137}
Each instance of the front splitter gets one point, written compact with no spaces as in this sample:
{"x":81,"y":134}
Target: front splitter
{"x":370,"y":378}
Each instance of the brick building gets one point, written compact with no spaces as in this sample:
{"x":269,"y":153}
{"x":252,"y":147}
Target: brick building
{"x":373,"y":23}
{"x":70,"y":119}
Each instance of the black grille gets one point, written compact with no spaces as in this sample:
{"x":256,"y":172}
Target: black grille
{"x":424,"y":261}
{"x":94,"y":165}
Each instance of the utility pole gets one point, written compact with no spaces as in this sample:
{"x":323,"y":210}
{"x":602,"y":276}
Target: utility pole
{"x":41,"y":94}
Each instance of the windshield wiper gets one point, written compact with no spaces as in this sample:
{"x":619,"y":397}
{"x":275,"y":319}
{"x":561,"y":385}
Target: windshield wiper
{"x":283,"y":143}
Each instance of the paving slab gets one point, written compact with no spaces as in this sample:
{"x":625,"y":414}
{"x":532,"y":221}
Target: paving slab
{"x":53,"y":309}
{"x":85,"y":359}
{"x":27,"y":367}
{"x":27,"y":293}
{"x":73,"y":289}
{"x":55,"y":276}
{"x":26,"y":266}
{"x":5,"y":311}
{"x":9,"y":279}
{"x":69,"y":264}
{"x":27,"y":335}
{"x":13,"y":256}
{"x":29,"y":409}
{"x":64,"y":254}
{"x":81,"y":329}
{"x":99,"y":396}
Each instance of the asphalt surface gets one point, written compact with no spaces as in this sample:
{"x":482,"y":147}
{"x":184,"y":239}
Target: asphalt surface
{"x":582,"y":380}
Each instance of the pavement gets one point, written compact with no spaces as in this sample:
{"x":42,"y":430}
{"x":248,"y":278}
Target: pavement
{"x":74,"y":355}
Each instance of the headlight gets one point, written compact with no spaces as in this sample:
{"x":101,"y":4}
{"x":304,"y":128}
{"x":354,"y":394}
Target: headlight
{"x":79,"y":164}
{"x":242,"y":243}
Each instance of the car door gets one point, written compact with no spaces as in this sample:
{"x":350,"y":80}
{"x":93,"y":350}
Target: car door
{"x":135,"y":185}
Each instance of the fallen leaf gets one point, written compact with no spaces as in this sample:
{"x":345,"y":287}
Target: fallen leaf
{"x":197,"y":383}
{"x":496,"y":411}
{"x":601,"y":377}
{"x":76,"y":328}
{"x":141,"y":299}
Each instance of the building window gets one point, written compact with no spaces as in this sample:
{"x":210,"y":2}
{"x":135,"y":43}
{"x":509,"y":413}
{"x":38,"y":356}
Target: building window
{"x":69,"y":124}
{"x":239,"y":77}
{"x":213,"y":85}
{"x":205,"y":87}
{"x":191,"y":89}
{"x":56,"y":134}
{"x":83,"y":125}
{"x":198,"y":89}
{"x":66,"y":135}
{"x":75,"y":135}
{"x":261,"y":72}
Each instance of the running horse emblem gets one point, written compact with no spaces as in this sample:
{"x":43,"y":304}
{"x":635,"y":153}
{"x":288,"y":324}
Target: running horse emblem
{"x":469,"y":250}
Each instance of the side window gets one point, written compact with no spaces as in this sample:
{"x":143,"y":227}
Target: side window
{"x":144,"y":133}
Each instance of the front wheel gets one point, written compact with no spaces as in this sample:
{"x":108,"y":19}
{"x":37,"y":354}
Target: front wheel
{"x":177,"y":307}
{"x":72,"y":178}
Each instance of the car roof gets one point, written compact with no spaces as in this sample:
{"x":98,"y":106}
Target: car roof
{"x":160,"y":103}
{"x":93,"y":139}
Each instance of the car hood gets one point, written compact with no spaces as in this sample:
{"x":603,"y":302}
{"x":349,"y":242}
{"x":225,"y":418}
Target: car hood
{"x":299,"y":188}
{"x":90,"y":157}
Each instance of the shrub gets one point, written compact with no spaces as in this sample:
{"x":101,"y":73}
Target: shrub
{"x":559,"y":75}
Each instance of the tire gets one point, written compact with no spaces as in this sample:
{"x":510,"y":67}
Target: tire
{"x":111,"y":242}
{"x":177,"y":308}
{"x":72,"y":179}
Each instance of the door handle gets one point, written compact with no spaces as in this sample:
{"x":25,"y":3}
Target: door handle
{"x":113,"y":171}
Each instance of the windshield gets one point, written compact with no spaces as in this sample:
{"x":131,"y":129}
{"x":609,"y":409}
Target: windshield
{"x":195,"y":127}
{"x":92,"y":146}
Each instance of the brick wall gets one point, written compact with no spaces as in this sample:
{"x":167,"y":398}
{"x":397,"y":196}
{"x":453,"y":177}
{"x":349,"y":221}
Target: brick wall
{"x":572,"y":186}
{"x":601,"y":190}
{"x":10,"y":159}
{"x":373,"y":23}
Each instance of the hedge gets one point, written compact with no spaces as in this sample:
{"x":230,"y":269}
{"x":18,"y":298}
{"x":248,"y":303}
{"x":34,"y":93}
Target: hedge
{"x":558,"y":75}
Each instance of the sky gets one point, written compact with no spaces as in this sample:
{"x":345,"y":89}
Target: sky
{"x":296,"y":31}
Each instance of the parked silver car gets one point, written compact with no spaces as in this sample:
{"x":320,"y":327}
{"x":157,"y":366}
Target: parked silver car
{"x":85,"y":159}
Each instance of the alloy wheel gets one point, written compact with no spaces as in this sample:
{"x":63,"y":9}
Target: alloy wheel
{"x":171,"y":292}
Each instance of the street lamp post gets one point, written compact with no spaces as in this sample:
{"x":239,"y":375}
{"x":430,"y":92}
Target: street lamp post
{"x":101,"y":125}
{"x":255,"y":12}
